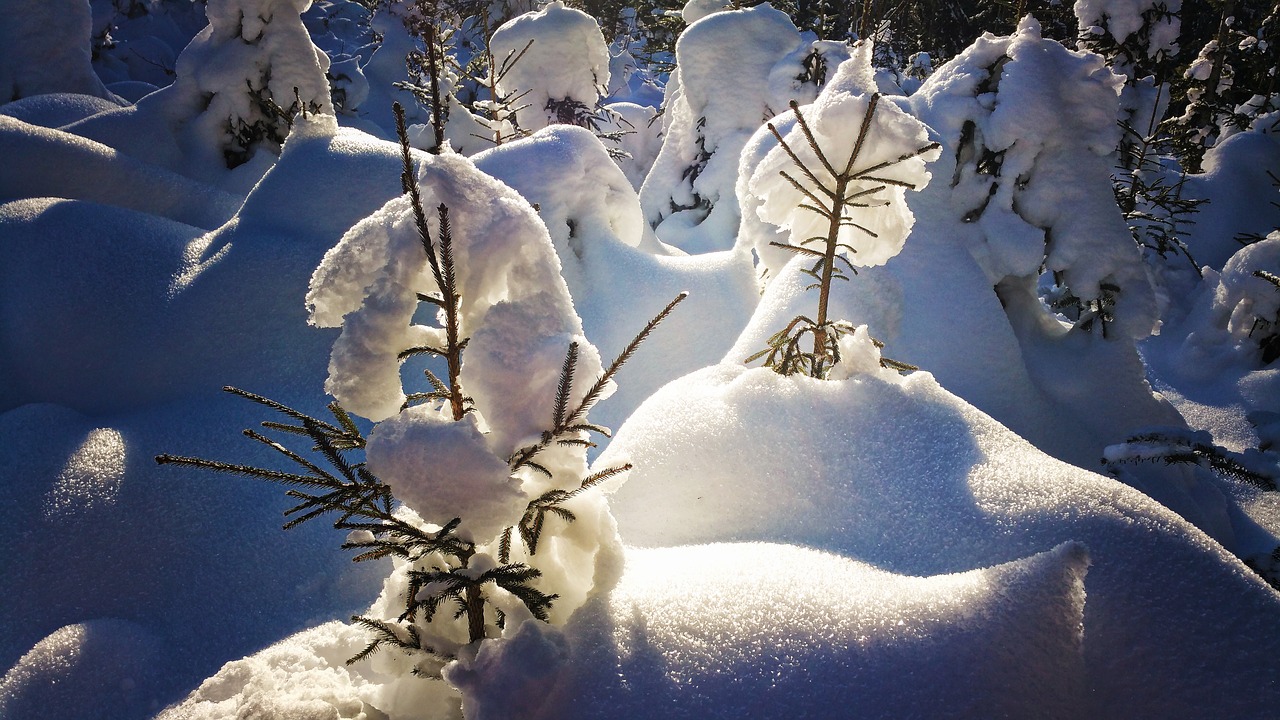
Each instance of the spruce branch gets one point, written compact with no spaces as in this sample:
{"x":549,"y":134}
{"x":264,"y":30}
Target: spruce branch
{"x":1172,"y":446}
{"x":459,"y":585}
{"x":440,"y":258}
{"x":552,"y":501}
{"x":565,"y":424}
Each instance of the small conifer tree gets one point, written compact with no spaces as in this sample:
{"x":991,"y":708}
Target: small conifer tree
{"x":464,"y":575}
{"x":842,"y":201}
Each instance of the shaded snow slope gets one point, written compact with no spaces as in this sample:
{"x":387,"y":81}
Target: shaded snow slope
{"x":620,"y":276}
{"x":60,"y":164}
{"x":118,"y":330}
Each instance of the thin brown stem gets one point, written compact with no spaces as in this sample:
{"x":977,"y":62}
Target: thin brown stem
{"x":452,"y":303}
{"x":474,"y":600}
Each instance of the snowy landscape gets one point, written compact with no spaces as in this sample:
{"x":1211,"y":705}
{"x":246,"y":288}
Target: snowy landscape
{"x":812,"y":359}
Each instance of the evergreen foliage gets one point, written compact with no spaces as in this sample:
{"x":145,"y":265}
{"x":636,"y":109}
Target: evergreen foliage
{"x":1266,"y":331}
{"x":1172,"y":446}
{"x":1230,"y":83}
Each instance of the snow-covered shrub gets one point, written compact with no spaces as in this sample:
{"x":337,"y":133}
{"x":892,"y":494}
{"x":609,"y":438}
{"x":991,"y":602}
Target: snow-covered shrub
{"x":734,"y":70}
{"x":45,"y":48}
{"x":1177,"y":445}
{"x":562,"y":74}
{"x":242,"y":80}
{"x":1030,"y":129}
{"x":837,"y":182}
{"x":477,"y":486}
{"x":1244,"y":307}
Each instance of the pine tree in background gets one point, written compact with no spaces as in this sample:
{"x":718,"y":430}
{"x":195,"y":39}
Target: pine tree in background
{"x":1230,"y":83}
{"x":1142,"y":47}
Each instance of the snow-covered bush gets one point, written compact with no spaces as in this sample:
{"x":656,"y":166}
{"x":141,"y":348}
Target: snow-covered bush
{"x":242,"y":80}
{"x":1240,"y":311}
{"x":563,"y":69}
{"x":1140,"y":43}
{"x":1030,"y":128}
{"x":500,"y":515}
{"x":735,"y":70}
{"x":617,"y":272}
{"x":45,"y":48}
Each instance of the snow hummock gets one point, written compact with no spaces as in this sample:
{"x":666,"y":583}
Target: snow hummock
{"x":898,"y":473}
{"x":763,"y":630}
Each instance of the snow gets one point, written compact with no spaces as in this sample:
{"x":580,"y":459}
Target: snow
{"x":868,"y":234}
{"x":618,"y":274}
{"x":915,"y":481}
{"x":725,"y":87}
{"x":755,"y":630}
{"x":444,"y":469}
{"x":939,"y":543}
{"x":67,"y":166}
{"x":46,"y":49}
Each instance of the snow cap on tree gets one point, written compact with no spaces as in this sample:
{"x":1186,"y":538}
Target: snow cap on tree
{"x":443,"y":469}
{"x":1029,"y":132}
{"x":734,"y":70}
{"x":515,"y":306}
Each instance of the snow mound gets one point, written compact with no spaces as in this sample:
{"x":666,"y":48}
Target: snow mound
{"x":760,"y":630}
{"x":618,"y":274}
{"x":94,"y":669}
{"x":901,"y":474}
{"x":300,"y":678}
{"x":53,"y":110}
{"x":59,"y":164}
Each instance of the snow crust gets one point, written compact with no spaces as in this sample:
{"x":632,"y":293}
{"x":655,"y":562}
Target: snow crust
{"x":759,"y":630}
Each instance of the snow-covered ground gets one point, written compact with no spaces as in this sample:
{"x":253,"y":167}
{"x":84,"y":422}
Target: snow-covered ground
{"x":1069,"y":510}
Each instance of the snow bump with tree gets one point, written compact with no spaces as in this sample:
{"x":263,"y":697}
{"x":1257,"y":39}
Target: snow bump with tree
{"x":712,"y":360}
